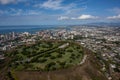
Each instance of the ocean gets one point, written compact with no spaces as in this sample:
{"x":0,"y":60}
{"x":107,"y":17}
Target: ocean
{"x":28,"y":28}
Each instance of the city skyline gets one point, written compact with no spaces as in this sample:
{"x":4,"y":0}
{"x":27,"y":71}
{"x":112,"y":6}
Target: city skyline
{"x":48,"y":12}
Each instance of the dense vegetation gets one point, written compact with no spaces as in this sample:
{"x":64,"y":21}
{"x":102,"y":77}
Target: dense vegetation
{"x":46,"y":56}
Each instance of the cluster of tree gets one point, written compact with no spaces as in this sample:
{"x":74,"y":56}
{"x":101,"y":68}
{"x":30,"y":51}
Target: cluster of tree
{"x":69,"y":50}
{"x":61,"y":51}
{"x":19,"y":57}
{"x":42,"y":60}
{"x":50,"y":66}
{"x":52,"y":57}
{"x":73,"y":56}
{"x":46,"y":55}
{"x":59,"y":56}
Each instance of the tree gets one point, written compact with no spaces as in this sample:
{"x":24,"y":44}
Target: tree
{"x":62,"y":64}
{"x":69,"y":50}
{"x":46,"y":55}
{"x":72,"y":56}
{"x":80,"y":51}
{"x":70,"y":61}
{"x":34,"y":59}
{"x":59,"y":55}
{"x":20,"y":57}
{"x":49,"y":66}
{"x":52,"y":57}
{"x":15,"y":52}
{"x":43,"y":60}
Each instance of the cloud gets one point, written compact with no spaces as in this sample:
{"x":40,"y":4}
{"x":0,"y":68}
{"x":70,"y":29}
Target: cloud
{"x":19,"y":12}
{"x":114,"y":17}
{"x":71,"y":8}
{"x":115,"y":10}
{"x":1,"y":12}
{"x":7,"y":1}
{"x":4,"y":2}
{"x":84,"y":17}
{"x":76,"y":10}
{"x":26,"y":13}
{"x":63,"y":18}
{"x":81,"y":17}
{"x":55,"y":5}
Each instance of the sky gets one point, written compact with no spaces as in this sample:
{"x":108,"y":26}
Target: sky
{"x":58,"y":12}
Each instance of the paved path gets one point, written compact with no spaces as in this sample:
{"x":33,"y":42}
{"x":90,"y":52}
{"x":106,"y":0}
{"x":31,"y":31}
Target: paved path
{"x":83,"y":60}
{"x":64,"y":45}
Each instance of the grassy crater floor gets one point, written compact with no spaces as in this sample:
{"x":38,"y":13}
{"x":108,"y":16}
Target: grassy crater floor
{"x":46,"y":56}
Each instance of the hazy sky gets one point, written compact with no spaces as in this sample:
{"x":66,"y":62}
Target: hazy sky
{"x":47,"y":12}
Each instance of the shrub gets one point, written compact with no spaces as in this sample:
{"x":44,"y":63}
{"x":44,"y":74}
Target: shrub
{"x":42,"y":60}
{"x":59,"y":55}
{"x":49,"y":66}
{"x":70,"y":61}
{"x":62,"y":64}
{"x":52,"y":57}
{"x":69,"y":50}
{"x":46,"y":55}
